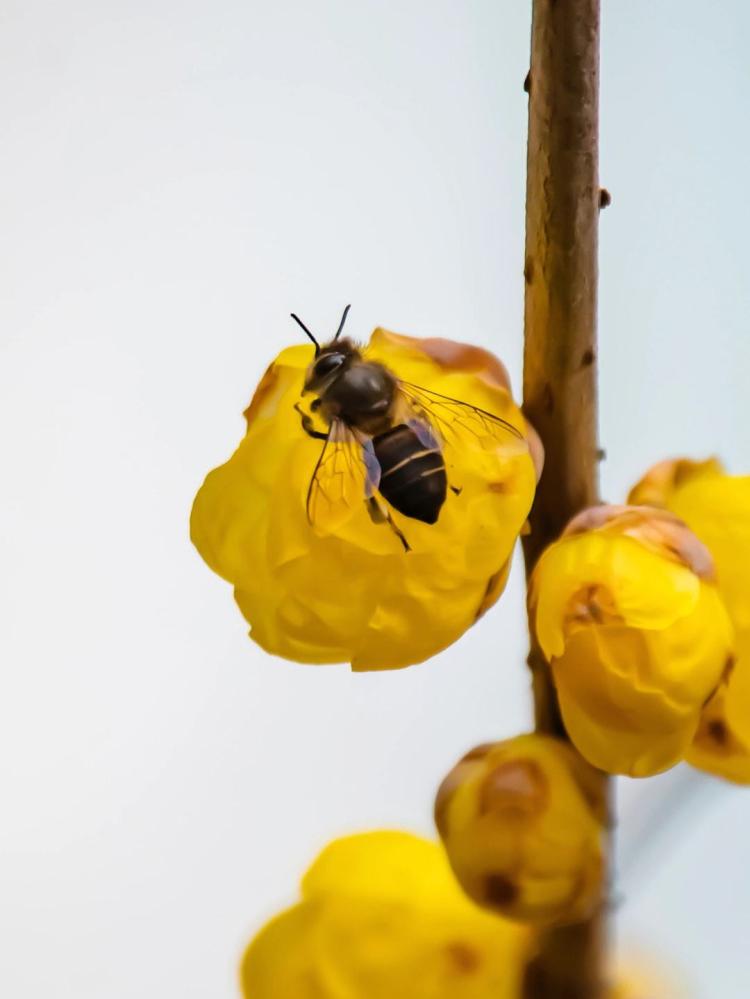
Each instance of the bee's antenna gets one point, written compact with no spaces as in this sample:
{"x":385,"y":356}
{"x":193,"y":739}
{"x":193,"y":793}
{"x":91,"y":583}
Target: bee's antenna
{"x":299,"y":322}
{"x":341,"y":324}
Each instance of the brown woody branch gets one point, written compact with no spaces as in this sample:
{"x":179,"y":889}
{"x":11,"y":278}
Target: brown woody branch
{"x":560,"y":361}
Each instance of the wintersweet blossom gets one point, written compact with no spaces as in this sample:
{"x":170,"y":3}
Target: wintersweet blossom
{"x":626,"y":610}
{"x":523,"y":827}
{"x":639,"y":976}
{"x":381,"y":917}
{"x":716,"y":506}
{"x":348,"y":591}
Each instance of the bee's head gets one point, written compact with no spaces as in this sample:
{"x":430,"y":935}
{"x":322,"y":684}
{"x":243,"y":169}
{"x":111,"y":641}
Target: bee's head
{"x":330,"y":359}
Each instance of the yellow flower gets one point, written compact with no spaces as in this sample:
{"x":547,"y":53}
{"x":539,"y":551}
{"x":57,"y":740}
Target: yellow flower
{"x":347,"y":590}
{"x":716,"y":507}
{"x":381,"y":917}
{"x":641,"y":982}
{"x":626,"y":610}
{"x":524,"y":828}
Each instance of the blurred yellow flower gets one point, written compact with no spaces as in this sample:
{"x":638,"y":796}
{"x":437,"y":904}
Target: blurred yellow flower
{"x":716,"y":507}
{"x":626,"y":610}
{"x":524,"y":829}
{"x":381,"y":917}
{"x":640,"y":982}
{"x":349,"y":591}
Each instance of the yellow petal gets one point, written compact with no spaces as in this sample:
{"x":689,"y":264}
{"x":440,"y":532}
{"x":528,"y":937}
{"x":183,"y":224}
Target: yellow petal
{"x":278,"y":963}
{"x":643,"y":590}
{"x":722,"y":742}
{"x":718,"y":510}
{"x":716,"y":506}
{"x":627,"y":751}
{"x":665,"y":478}
{"x":386,"y":863}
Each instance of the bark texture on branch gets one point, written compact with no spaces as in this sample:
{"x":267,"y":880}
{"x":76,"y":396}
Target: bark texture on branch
{"x":562,"y":213}
{"x":559,"y":389}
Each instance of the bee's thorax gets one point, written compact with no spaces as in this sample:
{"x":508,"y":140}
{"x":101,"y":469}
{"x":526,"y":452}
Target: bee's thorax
{"x":362,"y":395}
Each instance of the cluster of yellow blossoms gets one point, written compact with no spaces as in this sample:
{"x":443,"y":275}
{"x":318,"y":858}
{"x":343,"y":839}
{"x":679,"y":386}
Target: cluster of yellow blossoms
{"x":642,"y":612}
{"x":381,"y":917}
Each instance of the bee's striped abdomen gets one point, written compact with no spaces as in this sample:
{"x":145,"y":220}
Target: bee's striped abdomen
{"x":412,"y":478}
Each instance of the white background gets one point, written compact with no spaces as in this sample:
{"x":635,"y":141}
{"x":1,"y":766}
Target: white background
{"x":176,"y":177}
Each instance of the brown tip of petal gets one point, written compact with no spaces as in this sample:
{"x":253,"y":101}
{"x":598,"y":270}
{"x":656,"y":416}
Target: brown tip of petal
{"x":714,"y":736}
{"x":464,"y":357}
{"x":592,"y":518}
{"x":592,"y":605}
{"x":453,"y":356}
{"x":656,"y":486}
{"x":717,"y":732}
{"x":445,"y":793}
{"x":653,"y":526}
{"x":536,"y":449}
{"x":518,"y":786}
{"x":731,"y":662}
{"x":262,"y":392}
{"x":673,"y":536}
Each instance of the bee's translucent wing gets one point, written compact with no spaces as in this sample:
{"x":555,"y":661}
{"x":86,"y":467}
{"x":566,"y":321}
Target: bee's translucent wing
{"x":346,"y":473}
{"x":451,"y":421}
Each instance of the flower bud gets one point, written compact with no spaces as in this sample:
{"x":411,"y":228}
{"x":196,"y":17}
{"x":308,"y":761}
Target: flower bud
{"x":524,"y":829}
{"x":626,"y":610}
{"x":334,"y":582}
{"x":381,"y":917}
{"x":716,"y":507}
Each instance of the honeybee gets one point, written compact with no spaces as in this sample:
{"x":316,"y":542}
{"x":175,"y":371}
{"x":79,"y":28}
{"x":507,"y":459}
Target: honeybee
{"x":385,"y":438}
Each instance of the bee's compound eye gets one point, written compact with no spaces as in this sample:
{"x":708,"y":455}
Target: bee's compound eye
{"x":328,"y":363}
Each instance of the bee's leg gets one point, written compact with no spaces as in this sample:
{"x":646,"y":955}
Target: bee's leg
{"x":381,"y":516}
{"x":457,"y":490}
{"x":307,"y":425}
{"x":377,"y":514}
{"x":397,"y":532}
